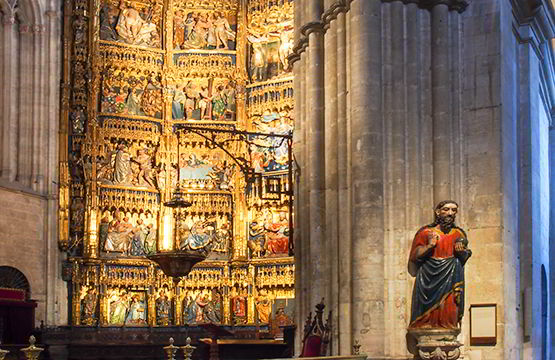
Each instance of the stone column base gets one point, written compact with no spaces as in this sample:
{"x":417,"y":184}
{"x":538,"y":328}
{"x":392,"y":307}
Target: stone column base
{"x":437,"y":344}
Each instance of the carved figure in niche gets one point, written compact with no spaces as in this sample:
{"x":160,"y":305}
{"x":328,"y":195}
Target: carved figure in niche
{"x":224,"y":32}
{"x":118,"y":303}
{"x":77,"y":119}
{"x":277,"y":235}
{"x":77,"y":214}
{"x":145,"y":175}
{"x":439,"y":251}
{"x":197,"y":38}
{"x":140,"y":233}
{"x":178,"y":29}
{"x":213,"y":310}
{"x":239,"y":306}
{"x":163,"y":309}
{"x":108,"y":22}
{"x":219,"y":103}
{"x":199,"y":236}
{"x":103,"y":230}
{"x":133,"y":29}
{"x":190,"y":308}
{"x":122,"y":165}
{"x":222,"y":237}
{"x":137,"y":311}
{"x":88,"y":307}
{"x":150,"y":241}
{"x":276,"y":157}
{"x":259,"y":63}
{"x":229,"y":94}
{"x":285,"y":48}
{"x":205,"y":103}
{"x":132,"y":104}
{"x":202,"y":300}
{"x":256,"y":238}
{"x":178,"y":103}
{"x":119,"y":233}
{"x":263,"y":305}
{"x":211,"y":40}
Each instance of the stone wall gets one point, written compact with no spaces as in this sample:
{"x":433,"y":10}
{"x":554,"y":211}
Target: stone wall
{"x":30,"y":57}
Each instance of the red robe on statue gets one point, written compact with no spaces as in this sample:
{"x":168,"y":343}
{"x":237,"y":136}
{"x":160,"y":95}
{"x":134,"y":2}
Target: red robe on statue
{"x":439,"y":285}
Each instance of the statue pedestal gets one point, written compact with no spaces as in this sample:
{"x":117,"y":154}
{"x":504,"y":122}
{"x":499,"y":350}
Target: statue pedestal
{"x":437,"y":344}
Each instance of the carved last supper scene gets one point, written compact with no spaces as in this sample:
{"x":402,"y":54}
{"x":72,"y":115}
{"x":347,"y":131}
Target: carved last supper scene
{"x":190,"y":96}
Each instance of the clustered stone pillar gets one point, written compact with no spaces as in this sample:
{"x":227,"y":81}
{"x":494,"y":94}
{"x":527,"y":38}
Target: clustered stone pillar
{"x":372,"y":124}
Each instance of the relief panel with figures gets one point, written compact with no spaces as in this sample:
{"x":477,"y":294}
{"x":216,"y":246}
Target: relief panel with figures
{"x":270,"y":41}
{"x":204,"y":99}
{"x":127,"y":307}
{"x":204,"y":30}
{"x":131,"y":22}
{"x":271,"y":153}
{"x":129,"y":92}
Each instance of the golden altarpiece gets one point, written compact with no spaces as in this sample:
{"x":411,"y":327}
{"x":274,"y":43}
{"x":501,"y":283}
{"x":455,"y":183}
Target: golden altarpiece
{"x":161,"y":93}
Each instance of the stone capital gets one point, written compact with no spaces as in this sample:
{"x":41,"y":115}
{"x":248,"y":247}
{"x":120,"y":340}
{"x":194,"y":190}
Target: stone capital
{"x":8,"y":20}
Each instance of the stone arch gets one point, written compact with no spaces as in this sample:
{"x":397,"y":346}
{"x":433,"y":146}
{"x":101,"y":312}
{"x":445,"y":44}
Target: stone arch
{"x":29,"y":12}
{"x":12,"y":278}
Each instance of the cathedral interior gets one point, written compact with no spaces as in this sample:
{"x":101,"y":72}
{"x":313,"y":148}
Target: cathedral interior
{"x":222,"y":170}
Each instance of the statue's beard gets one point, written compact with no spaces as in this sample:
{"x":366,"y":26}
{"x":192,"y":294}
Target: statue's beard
{"x":446,"y":223}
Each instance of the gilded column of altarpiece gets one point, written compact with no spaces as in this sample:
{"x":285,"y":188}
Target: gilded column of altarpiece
{"x":137,"y":75}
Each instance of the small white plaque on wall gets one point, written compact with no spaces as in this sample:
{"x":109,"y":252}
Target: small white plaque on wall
{"x":483,"y":324}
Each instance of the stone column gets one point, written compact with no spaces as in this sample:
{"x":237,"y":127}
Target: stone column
{"x":298,"y":150}
{"x":367,"y":176}
{"x":441,"y":107}
{"x":317,"y":199}
{"x":9,"y":108}
{"x":331,"y":173}
{"x":26,"y":94}
{"x":344,"y":291}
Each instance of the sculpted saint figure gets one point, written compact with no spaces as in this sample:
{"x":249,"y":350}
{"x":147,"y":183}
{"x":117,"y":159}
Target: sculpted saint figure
{"x":439,"y":251}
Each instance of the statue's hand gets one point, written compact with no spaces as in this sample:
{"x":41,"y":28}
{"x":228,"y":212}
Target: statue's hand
{"x":459,"y":247}
{"x":432,"y":240}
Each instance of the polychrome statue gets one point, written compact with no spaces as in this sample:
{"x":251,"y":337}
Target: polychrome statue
{"x":439,"y":251}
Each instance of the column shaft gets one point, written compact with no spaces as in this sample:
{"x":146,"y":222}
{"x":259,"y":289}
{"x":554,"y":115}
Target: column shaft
{"x":367,"y":175}
{"x":343,"y":194}
{"x":331,"y":177}
{"x":316,"y":175}
{"x":441,"y":90}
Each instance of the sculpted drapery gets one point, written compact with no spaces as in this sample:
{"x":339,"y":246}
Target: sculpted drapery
{"x":440,"y":252}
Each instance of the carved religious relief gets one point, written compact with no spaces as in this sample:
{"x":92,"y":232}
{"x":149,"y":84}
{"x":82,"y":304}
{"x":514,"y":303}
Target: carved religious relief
{"x":239,"y":301}
{"x":131,"y":22}
{"x":202,"y":307}
{"x":126,"y":307}
{"x":164,"y":308}
{"x":89,"y":306}
{"x":204,"y":30}
{"x":204,"y":99}
{"x":128,"y":233}
{"x":268,"y":230}
{"x":271,"y":153}
{"x":270,"y":40}
{"x":131,"y":92}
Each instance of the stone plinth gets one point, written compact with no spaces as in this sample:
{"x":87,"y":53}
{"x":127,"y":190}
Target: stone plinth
{"x":437,"y":344}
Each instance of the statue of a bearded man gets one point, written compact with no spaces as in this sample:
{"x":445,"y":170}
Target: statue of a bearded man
{"x":440,"y":252}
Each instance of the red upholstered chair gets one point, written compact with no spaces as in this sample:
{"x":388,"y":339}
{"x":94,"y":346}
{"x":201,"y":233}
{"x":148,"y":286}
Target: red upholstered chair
{"x":316,"y":334}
